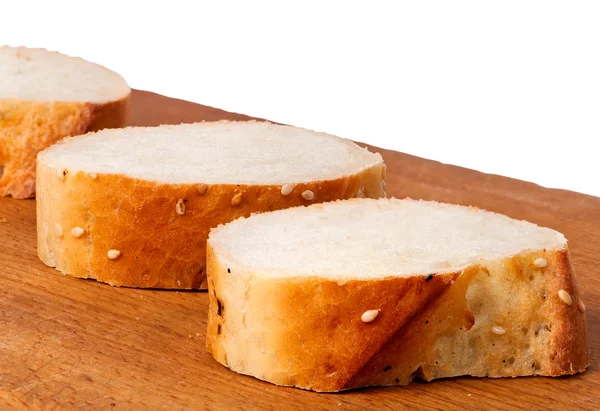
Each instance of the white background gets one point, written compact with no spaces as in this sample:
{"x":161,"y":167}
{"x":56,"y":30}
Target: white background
{"x":505,"y":87}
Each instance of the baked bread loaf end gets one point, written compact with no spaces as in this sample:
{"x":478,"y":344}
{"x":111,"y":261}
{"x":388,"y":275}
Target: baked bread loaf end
{"x":133,"y":207}
{"x":377,"y":292}
{"x":45,"y":96}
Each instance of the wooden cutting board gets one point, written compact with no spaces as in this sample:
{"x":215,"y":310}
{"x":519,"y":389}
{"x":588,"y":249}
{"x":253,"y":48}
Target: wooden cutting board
{"x":68,"y":343}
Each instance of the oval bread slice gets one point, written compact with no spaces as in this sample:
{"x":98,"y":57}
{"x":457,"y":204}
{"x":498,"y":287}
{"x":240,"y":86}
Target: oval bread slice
{"x":45,"y":96}
{"x":377,"y":292}
{"x":133,"y":207}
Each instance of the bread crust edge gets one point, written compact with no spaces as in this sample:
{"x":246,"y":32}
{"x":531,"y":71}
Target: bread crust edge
{"x":43,"y":124}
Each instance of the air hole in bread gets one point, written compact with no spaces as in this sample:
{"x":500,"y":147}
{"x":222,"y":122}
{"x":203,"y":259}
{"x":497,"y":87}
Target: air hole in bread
{"x":417,"y":374}
{"x":219,"y":307}
{"x":511,"y":360}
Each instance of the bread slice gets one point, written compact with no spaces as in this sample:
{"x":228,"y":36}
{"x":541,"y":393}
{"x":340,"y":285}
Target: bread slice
{"x":377,"y":292}
{"x":133,"y":207}
{"x":45,"y":96}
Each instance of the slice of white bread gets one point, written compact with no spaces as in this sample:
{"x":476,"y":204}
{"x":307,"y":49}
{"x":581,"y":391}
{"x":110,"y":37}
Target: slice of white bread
{"x":377,"y":292}
{"x":133,"y":207}
{"x":45,"y":96}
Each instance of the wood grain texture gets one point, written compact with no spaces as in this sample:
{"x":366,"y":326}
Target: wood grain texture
{"x":68,"y":343}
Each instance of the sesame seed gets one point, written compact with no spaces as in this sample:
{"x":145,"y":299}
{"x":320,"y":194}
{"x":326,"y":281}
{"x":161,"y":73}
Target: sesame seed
{"x":197,"y":334}
{"x":178,"y":283}
{"x":58,"y":230}
{"x":113,"y":254}
{"x":180,"y":207}
{"x":77,"y":232}
{"x":287,"y":189}
{"x":581,"y":306}
{"x":94,"y":176}
{"x":369,"y":316}
{"x":202,"y":189}
{"x":565,"y":297}
{"x":308,"y":195}
{"x":189,"y":335}
{"x":61,"y":174}
{"x":237,"y":199}
{"x":496,"y":329}
{"x":540,"y":262}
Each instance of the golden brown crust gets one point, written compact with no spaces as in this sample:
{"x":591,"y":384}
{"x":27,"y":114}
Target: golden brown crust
{"x":570,"y":353}
{"x":114,"y":114}
{"x":162,"y":243}
{"x":500,"y":318}
{"x":27,"y":127}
